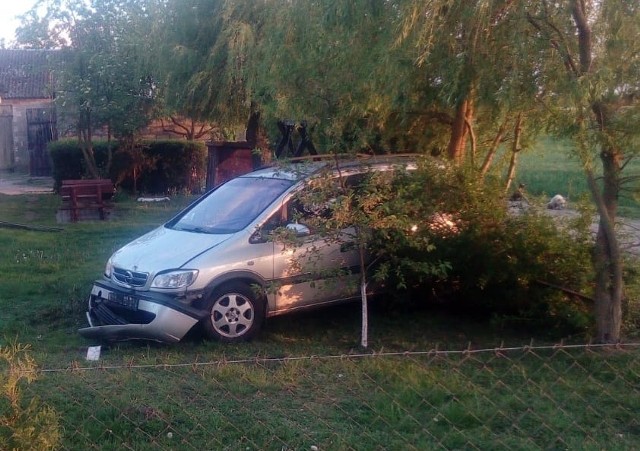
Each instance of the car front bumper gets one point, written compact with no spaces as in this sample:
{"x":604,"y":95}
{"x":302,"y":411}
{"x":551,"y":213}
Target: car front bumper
{"x":117,"y":313}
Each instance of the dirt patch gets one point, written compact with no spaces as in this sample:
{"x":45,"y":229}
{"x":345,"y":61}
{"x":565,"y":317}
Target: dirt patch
{"x":628,"y":229}
{"x":14,"y":184}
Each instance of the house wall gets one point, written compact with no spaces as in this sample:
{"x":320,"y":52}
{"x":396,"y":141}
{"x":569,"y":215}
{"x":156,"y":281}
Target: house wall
{"x":20,"y":129}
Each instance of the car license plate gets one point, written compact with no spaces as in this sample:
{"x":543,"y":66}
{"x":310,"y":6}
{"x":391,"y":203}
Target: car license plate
{"x":124,"y":300}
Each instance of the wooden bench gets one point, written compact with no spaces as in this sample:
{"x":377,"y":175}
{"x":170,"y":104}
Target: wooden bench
{"x":86,"y":195}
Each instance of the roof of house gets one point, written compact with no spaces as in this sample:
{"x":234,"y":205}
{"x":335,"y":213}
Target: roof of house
{"x":25,"y":74}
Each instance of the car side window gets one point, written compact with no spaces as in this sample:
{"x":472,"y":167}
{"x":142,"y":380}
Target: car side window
{"x":291,"y":216}
{"x":265,"y":232}
{"x":309,"y":207}
{"x":298,"y":211}
{"x":276,"y":220}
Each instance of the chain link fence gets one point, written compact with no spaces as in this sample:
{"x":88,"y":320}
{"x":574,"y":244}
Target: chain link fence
{"x":557,"y":397}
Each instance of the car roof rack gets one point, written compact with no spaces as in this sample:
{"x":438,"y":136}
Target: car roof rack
{"x":347,"y":156}
{"x":349,"y":159}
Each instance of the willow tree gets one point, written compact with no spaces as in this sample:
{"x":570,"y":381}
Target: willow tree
{"x":592,"y":67}
{"x":477,"y":82}
{"x":329,"y":63}
{"x":202,"y":58}
{"x":584,"y":63}
{"x":337,"y":65}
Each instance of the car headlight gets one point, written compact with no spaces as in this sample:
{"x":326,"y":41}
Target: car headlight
{"x":175,"y":279}
{"x":108,"y":270}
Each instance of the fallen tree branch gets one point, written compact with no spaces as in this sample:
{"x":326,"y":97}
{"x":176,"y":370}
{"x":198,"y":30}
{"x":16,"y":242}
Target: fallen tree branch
{"x":565,"y":290}
{"x":36,"y":228}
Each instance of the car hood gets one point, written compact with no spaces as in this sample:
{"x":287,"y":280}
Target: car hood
{"x":164,"y":248}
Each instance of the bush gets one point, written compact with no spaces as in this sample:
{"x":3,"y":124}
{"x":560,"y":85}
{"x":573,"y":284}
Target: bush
{"x":508,"y":269}
{"x":68,"y":161}
{"x":492,"y":262}
{"x":631,"y":302}
{"x":157,"y":167}
{"x":179,"y":166}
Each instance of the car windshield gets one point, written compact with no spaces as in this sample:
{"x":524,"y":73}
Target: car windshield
{"x":232,"y":206}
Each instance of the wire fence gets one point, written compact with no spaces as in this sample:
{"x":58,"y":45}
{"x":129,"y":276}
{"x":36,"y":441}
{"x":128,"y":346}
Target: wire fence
{"x":555,"y":397}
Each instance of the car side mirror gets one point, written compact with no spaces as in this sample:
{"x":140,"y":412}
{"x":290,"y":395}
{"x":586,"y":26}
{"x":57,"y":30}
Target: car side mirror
{"x":257,"y":238}
{"x":299,"y":229}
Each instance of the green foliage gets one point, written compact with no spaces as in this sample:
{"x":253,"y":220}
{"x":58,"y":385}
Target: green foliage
{"x":468,"y":250}
{"x":631,"y":301}
{"x":68,"y":162}
{"x":104,"y":81}
{"x":179,"y":166}
{"x":336,"y":65}
{"x":159,"y":166}
{"x":333,"y":64}
{"x":437,"y":232}
{"x":357,"y":205}
{"x":503,"y":268}
{"x":203,"y":58}
{"x":23,"y":425}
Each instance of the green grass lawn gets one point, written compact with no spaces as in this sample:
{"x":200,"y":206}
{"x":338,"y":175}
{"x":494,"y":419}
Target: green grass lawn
{"x":206,"y":395}
{"x":47,"y":276}
{"x":550,"y":168}
{"x":539,"y":399}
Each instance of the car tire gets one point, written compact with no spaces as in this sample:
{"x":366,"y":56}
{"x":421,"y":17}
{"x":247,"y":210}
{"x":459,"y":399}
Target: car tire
{"x":236,"y":313}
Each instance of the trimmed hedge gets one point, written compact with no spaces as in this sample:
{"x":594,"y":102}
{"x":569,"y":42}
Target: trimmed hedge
{"x":160,"y":167}
{"x":179,"y":166}
{"x":68,"y":161}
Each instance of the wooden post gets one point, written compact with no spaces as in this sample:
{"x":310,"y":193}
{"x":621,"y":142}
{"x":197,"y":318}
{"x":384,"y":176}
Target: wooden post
{"x":6,"y":137}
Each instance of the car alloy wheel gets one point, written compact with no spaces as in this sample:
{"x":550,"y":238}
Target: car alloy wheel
{"x":235,"y":313}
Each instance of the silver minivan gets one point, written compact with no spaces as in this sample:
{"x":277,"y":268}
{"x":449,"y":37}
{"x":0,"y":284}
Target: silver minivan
{"x":217,"y":264}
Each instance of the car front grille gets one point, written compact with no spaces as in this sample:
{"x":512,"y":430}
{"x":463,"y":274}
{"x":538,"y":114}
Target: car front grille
{"x":108,"y":316}
{"x":130,"y":278}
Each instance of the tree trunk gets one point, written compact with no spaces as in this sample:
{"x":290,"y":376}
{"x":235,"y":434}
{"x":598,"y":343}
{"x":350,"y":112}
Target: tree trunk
{"x":253,"y":125}
{"x":472,"y":135}
{"x":497,"y":140}
{"x":606,"y":259}
{"x":87,"y":152}
{"x":515,"y":150}
{"x":459,"y":131}
{"x":364,"y":337}
{"x":85,"y":139}
{"x":135,"y":180}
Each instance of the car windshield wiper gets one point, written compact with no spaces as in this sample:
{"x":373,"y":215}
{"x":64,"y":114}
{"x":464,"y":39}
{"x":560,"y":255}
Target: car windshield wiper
{"x":196,"y":229}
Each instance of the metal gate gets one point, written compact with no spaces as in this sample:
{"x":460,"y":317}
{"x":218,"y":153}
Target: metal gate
{"x":41,"y":128}
{"x":6,"y":137}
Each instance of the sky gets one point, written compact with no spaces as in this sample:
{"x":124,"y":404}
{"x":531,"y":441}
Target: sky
{"x":8,"y":10}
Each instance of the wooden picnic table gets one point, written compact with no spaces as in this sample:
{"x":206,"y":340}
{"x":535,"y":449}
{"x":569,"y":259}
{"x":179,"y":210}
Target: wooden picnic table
{"x":95,"y":194}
